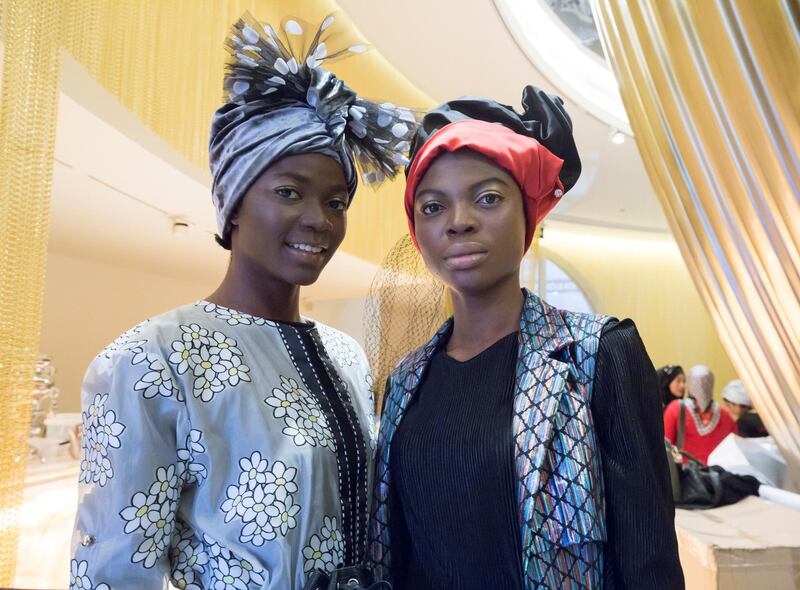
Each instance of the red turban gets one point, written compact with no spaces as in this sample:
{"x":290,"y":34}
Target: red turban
{"x":535,"y":168}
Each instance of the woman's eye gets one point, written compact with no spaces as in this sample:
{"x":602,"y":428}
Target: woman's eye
{"x":287,"y":192}
{"x":338,"y":205}
{"x":430,"y":208}
{"x":490,"y":198}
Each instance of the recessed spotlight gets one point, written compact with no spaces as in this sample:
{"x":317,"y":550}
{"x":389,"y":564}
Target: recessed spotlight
{"x":617,"y":136}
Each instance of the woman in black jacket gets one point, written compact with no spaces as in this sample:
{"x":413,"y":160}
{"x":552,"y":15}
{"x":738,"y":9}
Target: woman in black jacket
{"x":522,"y":446}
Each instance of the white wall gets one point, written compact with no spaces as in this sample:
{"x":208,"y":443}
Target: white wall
{"x":343,"y":314}
{"x":88,"y":304}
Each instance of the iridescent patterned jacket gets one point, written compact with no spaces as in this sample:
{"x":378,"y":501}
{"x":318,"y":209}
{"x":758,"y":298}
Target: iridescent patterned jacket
{"x":559,"y":476}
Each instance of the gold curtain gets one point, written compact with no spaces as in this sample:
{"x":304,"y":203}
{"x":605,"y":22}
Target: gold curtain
{"x":30,"y":34}
{"x":712,"y":90}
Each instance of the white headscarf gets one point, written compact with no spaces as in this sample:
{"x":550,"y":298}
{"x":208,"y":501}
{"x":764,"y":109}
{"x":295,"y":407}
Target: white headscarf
{"x":700,"y":386}
{"x":735,"y":392}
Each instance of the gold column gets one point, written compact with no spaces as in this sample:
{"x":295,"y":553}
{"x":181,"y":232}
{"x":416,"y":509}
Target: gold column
{"x":712,"y":90}
{"x":30,"y":31}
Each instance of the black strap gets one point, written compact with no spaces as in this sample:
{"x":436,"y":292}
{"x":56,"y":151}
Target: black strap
{"x":681,"y":427}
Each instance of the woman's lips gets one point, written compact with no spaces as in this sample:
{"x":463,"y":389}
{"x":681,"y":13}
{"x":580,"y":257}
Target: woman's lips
{"x":465,"y":261}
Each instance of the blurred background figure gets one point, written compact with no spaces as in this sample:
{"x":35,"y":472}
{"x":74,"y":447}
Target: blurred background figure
{"x":737,"y":401}
{"x":698,"y":424}
{"x":671,"y":384}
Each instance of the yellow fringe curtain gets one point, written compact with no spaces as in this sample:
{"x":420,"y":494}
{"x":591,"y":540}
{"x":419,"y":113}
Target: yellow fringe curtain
{"x":712,"y":89}
{"x":30,"y":35}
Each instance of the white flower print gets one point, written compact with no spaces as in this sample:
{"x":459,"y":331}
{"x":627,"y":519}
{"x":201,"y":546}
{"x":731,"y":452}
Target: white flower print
{"x":194,"y":335}
{"x":301,"y":431}
{"x":325,"y":550}
{"x":188,"y":558}
{"x":332,"y":536}
{"x":302,"y":416}
{"x":284,"y":403}
{"x":154,"y":514}
{"x":194,"y":471}
{"x":291,"y":387}
{"x":179,"y":358}
{"x":337,"y":346}
{"x":256,"y":534}
{"x":78,"y":580}
{"x":263,"y":501}
{"x":223,"y":346}
{"x":185,"y":580}
{"x":157,"y":380}
{"x":224,"y":564}
{"x":231,"y":573}
{"x":312,"y":414}
{"x":101,"y":433}
{"x":284,"y":520}
{"x":233,"y":505}
{"x":215,"y":360}
{"x":166,"y":485}
{"x":317,"y":556}
{"x":236,"y":370}
{"x":233,"y":317}
{"x":254,"y":471}
{"x":281,"y":480}
{"x":137,"y":513}
{"x":162,"y":522}
{"x":205,"y":390}
{"x":126,"y":342}
{"x":207,"y":363}
{"x":259,"y":507}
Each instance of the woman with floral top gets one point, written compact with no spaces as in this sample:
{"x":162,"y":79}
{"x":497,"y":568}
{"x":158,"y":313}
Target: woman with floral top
{"x":228,"y":443}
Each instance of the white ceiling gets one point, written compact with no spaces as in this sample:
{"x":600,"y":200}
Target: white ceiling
{"x":117,"y":186}
{"x":451,"y":48}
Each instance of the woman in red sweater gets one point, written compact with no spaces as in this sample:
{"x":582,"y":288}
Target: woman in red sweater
{"x":706,"y":424}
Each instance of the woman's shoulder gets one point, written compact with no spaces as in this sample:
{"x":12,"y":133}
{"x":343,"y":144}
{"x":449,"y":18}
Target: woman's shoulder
{"x":148,"y":335}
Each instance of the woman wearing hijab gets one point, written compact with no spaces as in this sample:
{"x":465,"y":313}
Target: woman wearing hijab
{"x":522,"y":446}
{"x":705,"y":423}
{"x":671,"y":384}
{"x":228,"y":443}
{"x":737,"y":402}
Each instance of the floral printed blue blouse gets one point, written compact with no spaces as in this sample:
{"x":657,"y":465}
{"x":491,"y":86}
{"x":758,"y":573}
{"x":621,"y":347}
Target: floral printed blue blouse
{"x":222,"y":450}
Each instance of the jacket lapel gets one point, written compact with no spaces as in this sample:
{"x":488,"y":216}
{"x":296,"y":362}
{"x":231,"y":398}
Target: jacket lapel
{"x":542,"y":373}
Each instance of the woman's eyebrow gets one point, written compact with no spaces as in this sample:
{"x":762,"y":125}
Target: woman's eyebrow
{"x":491,"y":180}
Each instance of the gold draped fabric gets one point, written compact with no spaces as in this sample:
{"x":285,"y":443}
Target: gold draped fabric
{"x":712,"y":90}
{"x":30,"y":34}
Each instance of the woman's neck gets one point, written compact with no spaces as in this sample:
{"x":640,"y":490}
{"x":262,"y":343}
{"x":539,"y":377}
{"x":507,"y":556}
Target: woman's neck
{"x":481,"y":319}
{"x":257,"y":294}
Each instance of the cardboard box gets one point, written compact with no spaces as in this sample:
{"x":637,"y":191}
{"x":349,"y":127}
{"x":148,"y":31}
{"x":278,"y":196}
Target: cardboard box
{"x":753,"y":544}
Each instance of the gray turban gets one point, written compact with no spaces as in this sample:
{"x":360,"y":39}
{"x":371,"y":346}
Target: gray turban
{"x":700,"y":385}
{"x":281,"y":105}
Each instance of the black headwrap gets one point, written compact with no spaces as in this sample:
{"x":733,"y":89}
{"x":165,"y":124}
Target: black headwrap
{"x":667,"y":375}
{"x":543,"y":118}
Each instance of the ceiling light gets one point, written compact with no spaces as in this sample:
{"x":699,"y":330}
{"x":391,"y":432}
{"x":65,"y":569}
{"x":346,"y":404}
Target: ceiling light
{"x":617,"y":136}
